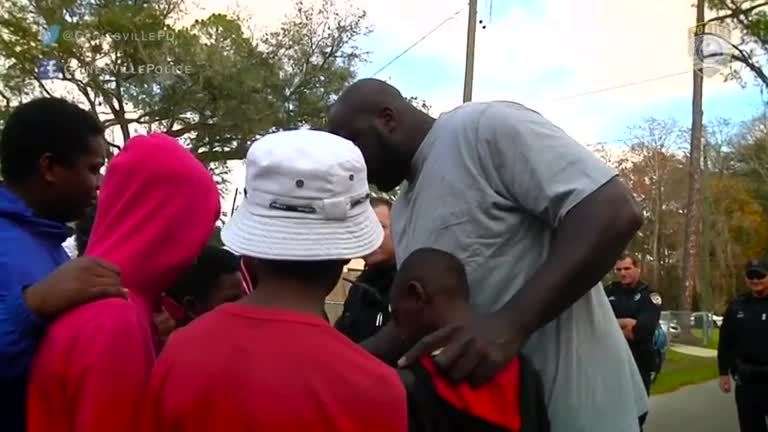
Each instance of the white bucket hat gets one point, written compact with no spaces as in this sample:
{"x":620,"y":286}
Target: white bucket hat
{"x":306,"y":199}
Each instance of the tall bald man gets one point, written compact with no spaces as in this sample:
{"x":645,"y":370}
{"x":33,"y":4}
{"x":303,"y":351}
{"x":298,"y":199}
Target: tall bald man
{"x":536,"y":219}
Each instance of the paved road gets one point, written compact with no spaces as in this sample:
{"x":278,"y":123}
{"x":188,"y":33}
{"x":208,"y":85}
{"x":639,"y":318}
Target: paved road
{"x":698,"y":408}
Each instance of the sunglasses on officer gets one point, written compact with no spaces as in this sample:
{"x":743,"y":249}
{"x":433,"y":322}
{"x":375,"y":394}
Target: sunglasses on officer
{"x":756,"y":275}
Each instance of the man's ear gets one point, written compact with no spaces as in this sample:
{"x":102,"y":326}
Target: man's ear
{"x":417,"y":292}
{"x":46,"y":165}
{"x":387,"y":119}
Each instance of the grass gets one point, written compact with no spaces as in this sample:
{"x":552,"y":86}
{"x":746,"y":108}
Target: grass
{"x":713,"y":340}
{"x":680,"y":370}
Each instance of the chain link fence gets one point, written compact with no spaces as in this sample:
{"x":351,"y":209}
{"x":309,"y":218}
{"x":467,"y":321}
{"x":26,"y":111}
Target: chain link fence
{"x":691,"y":328}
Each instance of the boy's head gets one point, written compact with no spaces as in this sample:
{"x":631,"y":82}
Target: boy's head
{"x":52,"y":152}
{"x":214,"y":279}
{"x":430,"y":291}
{"x":305,"y":214}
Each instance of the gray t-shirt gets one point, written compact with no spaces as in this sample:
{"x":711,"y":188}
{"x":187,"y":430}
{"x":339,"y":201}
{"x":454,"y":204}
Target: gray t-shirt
{"x":490,"y":183}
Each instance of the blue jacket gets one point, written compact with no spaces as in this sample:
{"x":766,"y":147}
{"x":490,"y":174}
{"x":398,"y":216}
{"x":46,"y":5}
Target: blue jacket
{"x":30,"y":249}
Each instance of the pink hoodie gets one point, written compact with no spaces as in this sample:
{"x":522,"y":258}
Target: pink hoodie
{"x":157,"y":209}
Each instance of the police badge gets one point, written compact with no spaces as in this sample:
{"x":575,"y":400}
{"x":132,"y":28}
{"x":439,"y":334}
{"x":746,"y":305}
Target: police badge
{"x":656,"y":299}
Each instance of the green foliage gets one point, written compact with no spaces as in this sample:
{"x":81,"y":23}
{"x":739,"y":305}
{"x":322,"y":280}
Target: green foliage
{"x":226,"y":86}
{"x":734,"y":187}
{"x":748,"y":19}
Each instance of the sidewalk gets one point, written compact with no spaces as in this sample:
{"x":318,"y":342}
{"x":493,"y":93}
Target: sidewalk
{"x":693,"y":350}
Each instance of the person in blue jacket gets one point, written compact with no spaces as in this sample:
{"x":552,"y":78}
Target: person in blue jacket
{"x":51,"y":155}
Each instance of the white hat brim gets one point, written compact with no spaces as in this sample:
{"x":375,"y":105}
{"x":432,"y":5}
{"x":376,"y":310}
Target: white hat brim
{"x":301,"y":239}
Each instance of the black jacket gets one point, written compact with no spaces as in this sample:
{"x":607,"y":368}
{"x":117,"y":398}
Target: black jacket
{"x":643,"y":304}
{"x":366,"y":309}
{"x":428,"y":411}
{"x":743,"y":333}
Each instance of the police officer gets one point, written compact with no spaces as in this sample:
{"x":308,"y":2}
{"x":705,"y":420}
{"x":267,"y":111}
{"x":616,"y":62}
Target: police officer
{"x":366,"y":309}
{"x":637,"y":308}
{"x":743,"y":349}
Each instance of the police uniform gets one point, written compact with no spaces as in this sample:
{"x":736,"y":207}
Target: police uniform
{"x":367,"y":309}
{"x":643,"y":305}
{"x":743,"y":353}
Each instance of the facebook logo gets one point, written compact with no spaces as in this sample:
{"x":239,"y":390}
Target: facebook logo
{"x":48,"y":69}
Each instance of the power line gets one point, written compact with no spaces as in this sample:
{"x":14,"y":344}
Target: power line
{"x":630,"y":84}
{"x":421,"y":39}
{"x":616,"y":87}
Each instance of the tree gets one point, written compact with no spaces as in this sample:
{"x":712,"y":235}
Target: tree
{"x":653,"y":168}
{"x":749,"y":20}
{"x":654,"y":142}
{"x":735,"y":229}
{"x":226,"y":87}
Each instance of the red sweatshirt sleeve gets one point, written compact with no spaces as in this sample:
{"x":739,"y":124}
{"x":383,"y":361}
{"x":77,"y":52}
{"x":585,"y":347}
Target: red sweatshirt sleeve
{"x":111,"y":385}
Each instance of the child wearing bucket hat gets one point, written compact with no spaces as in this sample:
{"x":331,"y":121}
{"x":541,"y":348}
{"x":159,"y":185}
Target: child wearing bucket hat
{"x":270,"y":361}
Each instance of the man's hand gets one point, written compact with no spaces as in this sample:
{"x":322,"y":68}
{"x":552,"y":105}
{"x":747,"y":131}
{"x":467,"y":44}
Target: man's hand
{"x":470,"y":351}
{"x":627,"y":326}
{"x":725,"y":384}
{"x":79,"y":281}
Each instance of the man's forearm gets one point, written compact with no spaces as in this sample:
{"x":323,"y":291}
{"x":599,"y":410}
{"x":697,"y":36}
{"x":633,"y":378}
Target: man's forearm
{"x":386,"y":345}
{"x":584,"y":249}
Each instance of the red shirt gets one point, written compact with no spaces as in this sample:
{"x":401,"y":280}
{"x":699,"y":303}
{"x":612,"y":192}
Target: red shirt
{"x":244,"y":368}
{"x":496,"y":402}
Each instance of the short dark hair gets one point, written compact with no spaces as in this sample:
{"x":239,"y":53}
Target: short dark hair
{"x":312,"y":272}
{"x":635,"y":261}
{"x":45,"y":125}
{"x":197,"y":282}
{"x":83,"y":228}
{"x":435,"y":270}
{"x":381,"y":202}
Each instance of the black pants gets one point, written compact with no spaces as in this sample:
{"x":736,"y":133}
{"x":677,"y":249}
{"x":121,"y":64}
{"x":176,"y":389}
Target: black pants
{"x":752,"y":404}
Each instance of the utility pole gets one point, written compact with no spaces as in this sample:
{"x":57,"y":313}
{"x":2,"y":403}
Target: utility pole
{"x":693,"y":213}
{"x":469,"y":68}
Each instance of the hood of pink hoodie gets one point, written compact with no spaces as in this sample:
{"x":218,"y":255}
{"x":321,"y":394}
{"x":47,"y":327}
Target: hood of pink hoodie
{"x":157,"y":209}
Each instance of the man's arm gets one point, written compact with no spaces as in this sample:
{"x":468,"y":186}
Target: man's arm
{"x":593,"y":214}
{"x":20,"y":329}
{"x":386,"y":344}
{"x":578,"y":257}
{"x":644,"y":328}
{"x":725,"y":345}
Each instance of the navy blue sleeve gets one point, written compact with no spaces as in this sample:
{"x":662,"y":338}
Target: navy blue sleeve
{"x":727,"y":342}
{"x":647,"y":318}
{"x":20,"y":329}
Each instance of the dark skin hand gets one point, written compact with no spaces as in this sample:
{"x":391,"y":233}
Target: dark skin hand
{"x":79,"y":281}
{"x":475,"y":350}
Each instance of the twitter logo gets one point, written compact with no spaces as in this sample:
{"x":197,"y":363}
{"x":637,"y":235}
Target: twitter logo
{"x":51,"y":35}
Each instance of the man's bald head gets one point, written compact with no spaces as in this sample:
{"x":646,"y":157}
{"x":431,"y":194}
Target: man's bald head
{"x":383,"y":125}
{"x":367,"y":97}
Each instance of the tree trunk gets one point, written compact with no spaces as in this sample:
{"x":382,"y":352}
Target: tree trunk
{"x":657,"y":226}
{"x":693,"y":207}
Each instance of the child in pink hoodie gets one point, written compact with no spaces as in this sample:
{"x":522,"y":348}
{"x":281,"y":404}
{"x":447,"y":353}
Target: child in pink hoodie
{"x":157,"y":209}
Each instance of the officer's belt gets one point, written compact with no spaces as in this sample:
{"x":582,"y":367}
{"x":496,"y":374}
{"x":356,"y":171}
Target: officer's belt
{"x":747,"y":370}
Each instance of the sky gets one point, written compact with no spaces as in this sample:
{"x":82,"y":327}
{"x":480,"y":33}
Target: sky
{"x":556,"y":56}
